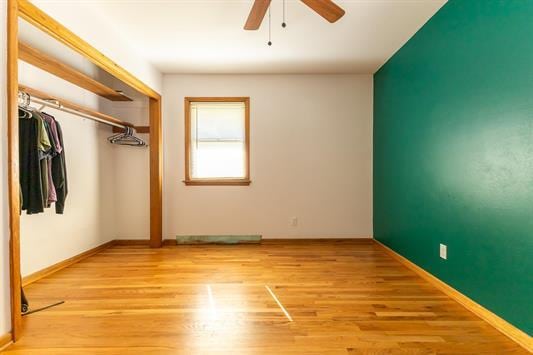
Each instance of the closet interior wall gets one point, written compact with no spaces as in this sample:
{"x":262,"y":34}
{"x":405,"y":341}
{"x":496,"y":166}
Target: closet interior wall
{"x":49,"y":238}
{"x":131,"y":186}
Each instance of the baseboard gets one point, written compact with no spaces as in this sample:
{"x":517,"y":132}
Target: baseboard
{"x":5,"y":341}
{"x":169,"y":242}
{"x":141,"y":242}
{"x":126,"y":242}
{"x":353,"y":237}
{"x":63,"y":264}
{"x":360,"y":240}
{"x":497,"y":322}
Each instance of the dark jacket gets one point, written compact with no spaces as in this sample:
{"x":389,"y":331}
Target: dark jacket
{"x":59,"y":174}
{"x":29,"y":166}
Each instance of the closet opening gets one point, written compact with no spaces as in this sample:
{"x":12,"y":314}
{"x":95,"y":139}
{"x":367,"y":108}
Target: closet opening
{"x":69,"y":107}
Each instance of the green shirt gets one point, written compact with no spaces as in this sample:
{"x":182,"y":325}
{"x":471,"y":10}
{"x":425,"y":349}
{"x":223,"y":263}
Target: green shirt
{"x":43,"y":141}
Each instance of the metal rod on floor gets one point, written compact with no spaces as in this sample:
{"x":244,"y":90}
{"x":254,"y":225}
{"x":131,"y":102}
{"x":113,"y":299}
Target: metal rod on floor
{"x":43,"y":308}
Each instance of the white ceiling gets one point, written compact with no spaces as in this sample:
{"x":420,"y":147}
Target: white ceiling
{"x":207,"y":36}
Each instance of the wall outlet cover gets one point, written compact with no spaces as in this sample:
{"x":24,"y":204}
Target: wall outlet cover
{"x":443,"y":251}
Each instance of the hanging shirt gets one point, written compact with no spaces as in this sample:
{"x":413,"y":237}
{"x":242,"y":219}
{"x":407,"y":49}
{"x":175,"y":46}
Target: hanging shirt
{"x":43,"y":141}
{"x":51,"y":188}
{"x":29,"y":165}
{"x":44,"y":181}
{"x":56,"y":149}
{"x":46,"y":153}
{"x":50,"y":120}
{"x":59,"y":173}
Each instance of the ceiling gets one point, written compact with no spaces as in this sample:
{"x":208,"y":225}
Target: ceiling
{"x":207,"y":36}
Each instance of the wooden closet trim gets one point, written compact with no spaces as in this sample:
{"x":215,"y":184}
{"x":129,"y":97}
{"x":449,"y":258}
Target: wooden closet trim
{"x":29,"y":12}
{"x":13,"y":166}
{"x":156,"y":174}
{"x":138,"y":129}
{"x":66,"y":72}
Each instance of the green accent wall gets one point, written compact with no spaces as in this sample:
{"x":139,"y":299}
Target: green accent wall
{"x":453,"y":152}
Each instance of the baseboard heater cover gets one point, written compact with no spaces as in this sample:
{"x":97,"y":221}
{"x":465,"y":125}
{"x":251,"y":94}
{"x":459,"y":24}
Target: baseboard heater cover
{"x":218,"y":239}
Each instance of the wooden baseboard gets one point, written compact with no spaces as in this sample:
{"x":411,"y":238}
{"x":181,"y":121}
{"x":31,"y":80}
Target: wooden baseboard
{"x":168,"y":242}
{"x":315,"y":238}
{"x":5,"y":340}
{"x":497,"y":322}
{"x":142,"y":242}
{"x":128,"y":242}
{"x":63,"y":264}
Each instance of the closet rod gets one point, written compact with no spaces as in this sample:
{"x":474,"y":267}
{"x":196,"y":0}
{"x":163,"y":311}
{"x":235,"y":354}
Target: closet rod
{"x":42,"y":98}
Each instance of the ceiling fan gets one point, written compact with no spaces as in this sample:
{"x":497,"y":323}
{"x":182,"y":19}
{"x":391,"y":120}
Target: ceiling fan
{"x":325,"y":8}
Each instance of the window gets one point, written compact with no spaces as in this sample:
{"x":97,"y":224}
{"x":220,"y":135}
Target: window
{"x":217,"y":141}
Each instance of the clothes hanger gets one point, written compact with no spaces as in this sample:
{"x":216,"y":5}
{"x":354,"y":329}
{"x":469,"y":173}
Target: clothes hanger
{"x":119,"y":136}
{"x":26,"y":113}
{"x":24,"y":103}
{"x":127,"y":138}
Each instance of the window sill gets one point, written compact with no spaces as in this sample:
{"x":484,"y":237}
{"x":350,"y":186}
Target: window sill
{"x":219,"y":182}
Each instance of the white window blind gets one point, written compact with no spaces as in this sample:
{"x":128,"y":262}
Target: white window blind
{"x":218,"y":140}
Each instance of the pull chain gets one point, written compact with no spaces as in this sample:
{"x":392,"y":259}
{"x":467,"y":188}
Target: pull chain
{"x":269,"y":26}
{"x":284,"y":24}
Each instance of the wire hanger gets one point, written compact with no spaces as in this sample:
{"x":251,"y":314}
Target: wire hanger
{"x":127,"y":138}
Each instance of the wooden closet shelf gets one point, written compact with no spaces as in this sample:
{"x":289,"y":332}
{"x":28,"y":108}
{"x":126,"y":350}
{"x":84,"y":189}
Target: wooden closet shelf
{"x":87,"y":112}
{"x":47,"y":63}
{"x":138,"y":129}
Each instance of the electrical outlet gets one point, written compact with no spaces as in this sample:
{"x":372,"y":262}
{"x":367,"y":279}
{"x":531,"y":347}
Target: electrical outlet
{"x":294,"y":221}
{"x":443,"y":251}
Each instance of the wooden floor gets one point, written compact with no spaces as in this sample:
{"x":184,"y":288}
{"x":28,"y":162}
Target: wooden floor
{"x":342,"y":297}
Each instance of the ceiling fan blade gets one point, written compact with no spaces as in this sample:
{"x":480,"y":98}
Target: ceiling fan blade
{"x":326,"y":8}
{"x":257,"y":14}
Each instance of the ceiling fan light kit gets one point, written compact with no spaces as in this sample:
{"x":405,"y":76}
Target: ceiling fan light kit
{"x":325,"y":8}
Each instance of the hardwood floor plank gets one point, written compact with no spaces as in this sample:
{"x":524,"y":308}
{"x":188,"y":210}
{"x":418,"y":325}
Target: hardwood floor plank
{"x":343,"y":296}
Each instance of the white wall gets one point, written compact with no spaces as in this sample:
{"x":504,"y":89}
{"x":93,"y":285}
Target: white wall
{"x":311,"y":156}
{"x":5,"y":324}
{"x":132,"y":174}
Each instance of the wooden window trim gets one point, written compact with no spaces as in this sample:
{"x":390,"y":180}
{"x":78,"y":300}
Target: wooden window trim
{"x":189,"y":181}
